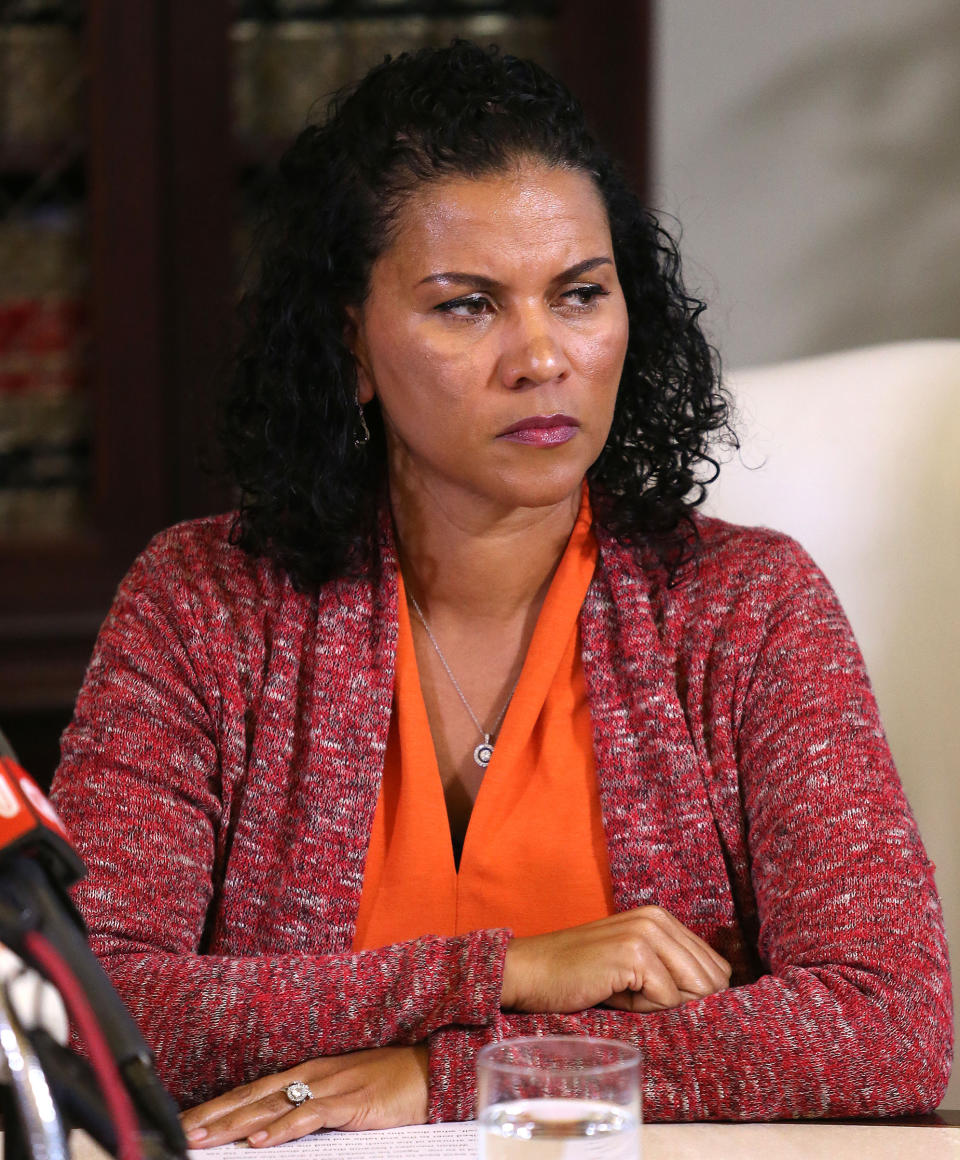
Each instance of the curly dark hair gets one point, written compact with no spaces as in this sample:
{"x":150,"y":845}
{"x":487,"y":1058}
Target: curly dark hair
{"x":310,"y":497}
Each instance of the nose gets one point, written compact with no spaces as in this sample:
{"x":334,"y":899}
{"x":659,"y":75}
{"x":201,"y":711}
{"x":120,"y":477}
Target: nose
{"x":532,"y":353}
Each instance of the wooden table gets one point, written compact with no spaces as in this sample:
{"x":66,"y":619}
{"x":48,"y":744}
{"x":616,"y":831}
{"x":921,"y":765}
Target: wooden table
{"x":924,"y":1138}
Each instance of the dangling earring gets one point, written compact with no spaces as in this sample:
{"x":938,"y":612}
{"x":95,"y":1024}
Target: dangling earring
{"x":362,"y":438}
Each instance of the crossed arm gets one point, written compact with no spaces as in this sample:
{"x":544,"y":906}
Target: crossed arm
{"x":637,"y":961}
{"x":852,"y":1016}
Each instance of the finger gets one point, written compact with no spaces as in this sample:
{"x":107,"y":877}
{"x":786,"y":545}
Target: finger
{"x":335,"y":1075}
{"x":674,"y":926}
{"x":632,"y":1001}
{"x":655,"y":955}
{"x":656,"y":919}
{"x":650,"y":941}
{"x":266,"y":1086}
{"x":337,"y":1111}
{"x":715,"y":964}
{"x":705,"y":977}
{"x":238,"y":1097}
{"x":238,"y":1123}
{"x":690,"y":960}
{"x":637,"y":1002}
{"x":654,"y":980}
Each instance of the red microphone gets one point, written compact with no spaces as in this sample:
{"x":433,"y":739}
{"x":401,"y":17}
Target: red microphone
{"x":29,"y":825}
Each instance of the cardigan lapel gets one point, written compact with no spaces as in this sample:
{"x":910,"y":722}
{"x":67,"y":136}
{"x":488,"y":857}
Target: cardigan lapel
{"x":357,"y":625}
{"x":315,"y":736}
{"x":662,"y":839}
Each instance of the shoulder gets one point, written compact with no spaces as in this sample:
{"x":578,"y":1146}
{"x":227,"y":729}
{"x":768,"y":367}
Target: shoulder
{"x":195,"y":572}
{"x":746,"y":587}
{"x":725,"y":561}
{"x":192,"y":582}
{"x":740,"y":585}
{"x":200,"y":550}
{"x":734,"y":557}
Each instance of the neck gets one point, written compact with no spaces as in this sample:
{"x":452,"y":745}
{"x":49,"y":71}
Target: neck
{"x":479,"y":564}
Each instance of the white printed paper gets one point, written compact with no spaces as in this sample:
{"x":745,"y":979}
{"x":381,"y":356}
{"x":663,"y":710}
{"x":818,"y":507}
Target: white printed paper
{"x":426,"y":1141}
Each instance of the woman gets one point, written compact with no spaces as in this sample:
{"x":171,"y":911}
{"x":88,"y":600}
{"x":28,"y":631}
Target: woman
{"x":467,"y":726}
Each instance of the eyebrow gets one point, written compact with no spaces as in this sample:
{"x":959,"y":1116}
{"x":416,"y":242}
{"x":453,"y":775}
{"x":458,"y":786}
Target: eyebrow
{"x":482,"y":282}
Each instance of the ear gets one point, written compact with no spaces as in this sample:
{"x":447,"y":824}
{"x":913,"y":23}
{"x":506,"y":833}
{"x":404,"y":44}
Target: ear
{"x":353,"y":336}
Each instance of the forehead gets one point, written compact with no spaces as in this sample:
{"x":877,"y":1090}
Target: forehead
{"x":533,"y":212}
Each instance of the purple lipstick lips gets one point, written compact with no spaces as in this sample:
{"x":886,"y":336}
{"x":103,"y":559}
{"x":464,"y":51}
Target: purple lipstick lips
{"x":542,"y":430}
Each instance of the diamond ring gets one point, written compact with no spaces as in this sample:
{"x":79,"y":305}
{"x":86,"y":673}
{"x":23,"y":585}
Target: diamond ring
{"x":297,"y":1093}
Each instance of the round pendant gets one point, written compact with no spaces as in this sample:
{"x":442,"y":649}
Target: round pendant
{"x":482,"y":754}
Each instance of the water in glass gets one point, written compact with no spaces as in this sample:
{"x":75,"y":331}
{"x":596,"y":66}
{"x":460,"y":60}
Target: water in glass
{"x":558,"y":1129}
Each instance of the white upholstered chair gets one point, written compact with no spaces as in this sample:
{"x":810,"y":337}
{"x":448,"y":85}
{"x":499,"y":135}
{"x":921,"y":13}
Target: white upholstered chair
{"x":857,"y":455}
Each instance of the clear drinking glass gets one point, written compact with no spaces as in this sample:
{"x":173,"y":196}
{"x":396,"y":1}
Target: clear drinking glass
{"x":559,"y":1097}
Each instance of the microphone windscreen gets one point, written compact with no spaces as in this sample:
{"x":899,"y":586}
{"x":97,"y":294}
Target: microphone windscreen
{"x":30,"y":825}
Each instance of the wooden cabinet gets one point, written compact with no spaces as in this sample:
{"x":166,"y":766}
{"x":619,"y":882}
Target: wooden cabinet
{"x":159,"y":166}
{"x":156,"y":173}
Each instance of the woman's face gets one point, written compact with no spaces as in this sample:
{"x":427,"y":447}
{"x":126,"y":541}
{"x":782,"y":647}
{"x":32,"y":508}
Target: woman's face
{"x":494,"y":335}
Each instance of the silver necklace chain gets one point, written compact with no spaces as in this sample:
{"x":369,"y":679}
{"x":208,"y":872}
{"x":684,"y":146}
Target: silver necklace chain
{"x":484,"y":751}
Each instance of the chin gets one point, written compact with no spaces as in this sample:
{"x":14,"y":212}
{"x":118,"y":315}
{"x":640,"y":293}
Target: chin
{"x":543,"y":489}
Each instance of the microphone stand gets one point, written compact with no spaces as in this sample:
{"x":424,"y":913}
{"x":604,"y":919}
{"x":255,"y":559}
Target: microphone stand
{"x":32,"y":1125}
{"x":40,"y":923}
{"x":30,"y":900}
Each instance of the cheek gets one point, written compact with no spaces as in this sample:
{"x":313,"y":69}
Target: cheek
{"x":428,"y":378}
{"x":418,"y":349}
{"x":600,"y":355}
{"x":424,"y":390}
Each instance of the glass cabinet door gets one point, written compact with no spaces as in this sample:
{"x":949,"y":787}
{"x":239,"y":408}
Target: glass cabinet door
{"x":45,"y":423}
{"x":288,"y":57}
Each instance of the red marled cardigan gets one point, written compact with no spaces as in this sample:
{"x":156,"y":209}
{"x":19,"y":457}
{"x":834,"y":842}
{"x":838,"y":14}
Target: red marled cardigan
{"x":221,"y":774}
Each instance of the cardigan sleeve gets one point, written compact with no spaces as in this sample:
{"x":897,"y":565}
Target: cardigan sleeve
{"x":141,"y":791}
{"x":852,"y":1013}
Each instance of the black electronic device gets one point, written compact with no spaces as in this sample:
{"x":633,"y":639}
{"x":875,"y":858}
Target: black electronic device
{"x":39,"y":922}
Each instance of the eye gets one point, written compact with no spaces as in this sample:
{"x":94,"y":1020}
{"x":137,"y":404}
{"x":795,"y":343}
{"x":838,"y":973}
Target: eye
{"x":469,"y":306}
{"x":584,"y":297}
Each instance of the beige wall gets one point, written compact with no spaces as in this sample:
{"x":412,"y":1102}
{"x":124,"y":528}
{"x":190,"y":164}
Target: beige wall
{"x":811,"y":153}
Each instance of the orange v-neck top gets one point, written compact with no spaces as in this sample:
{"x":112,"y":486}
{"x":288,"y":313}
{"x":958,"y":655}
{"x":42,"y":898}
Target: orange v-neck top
{"x":534,"y":855}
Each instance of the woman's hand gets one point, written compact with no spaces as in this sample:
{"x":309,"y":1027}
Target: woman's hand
{"x":385,"y":1087}
{"x":639,"y":960}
